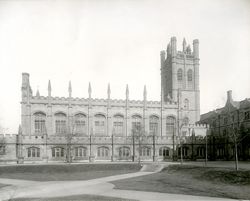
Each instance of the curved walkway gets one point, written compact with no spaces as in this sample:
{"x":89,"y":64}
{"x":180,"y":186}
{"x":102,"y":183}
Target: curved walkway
{"x":100,"y":186}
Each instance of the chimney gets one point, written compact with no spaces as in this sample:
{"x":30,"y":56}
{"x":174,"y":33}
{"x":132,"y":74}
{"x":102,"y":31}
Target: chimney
{"x":229,"y":96}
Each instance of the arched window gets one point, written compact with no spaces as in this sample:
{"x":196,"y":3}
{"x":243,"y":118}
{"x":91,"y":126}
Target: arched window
{"x":57,"y":152}
{"x":100,"y":122}
{"x":153,"y":125}
{"x":124,"y":152}
{"x":80,"y":124}
{"x":61,"y":127}
{"x":190,"y":75}
{"x":33,"y":152}
{"x":185,"y":121}
{"x":80,"y":151}
{"x":184,"y":151}
{"x":40,"y":123}
{"x":170,"y":125}
{"x":136,"y":124}
{"x":179,"y":74}
{"x":118,"y":125}
{"x":186,"y":104}
{"x":2,"y":149}
{"x":200,"y":151}
{"x":164,"y":151}
{"x":103,"y":152}
{"x":145,"y":151}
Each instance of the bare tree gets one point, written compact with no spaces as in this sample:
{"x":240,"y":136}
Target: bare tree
{"x":69,"y":136}
{"x":138,"y":132}
{"x":235,"y":135}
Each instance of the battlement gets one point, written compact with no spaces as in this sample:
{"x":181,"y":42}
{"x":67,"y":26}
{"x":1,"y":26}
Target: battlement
{"x":99,"y":101}
{"x":202,"y":126}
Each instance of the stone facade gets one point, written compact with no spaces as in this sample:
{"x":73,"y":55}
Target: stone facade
{"x":88,"y":129}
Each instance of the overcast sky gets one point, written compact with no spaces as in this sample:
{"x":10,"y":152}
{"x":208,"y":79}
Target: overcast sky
{"x":119,"y":42}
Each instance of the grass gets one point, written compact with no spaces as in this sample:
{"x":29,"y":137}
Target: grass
{"x":74,"y":198}
{"x":193,"y":180}
{"x":65,"y":172}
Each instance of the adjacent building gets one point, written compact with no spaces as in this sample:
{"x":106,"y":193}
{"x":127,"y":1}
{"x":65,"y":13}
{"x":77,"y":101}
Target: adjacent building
{"x":229,"y":128}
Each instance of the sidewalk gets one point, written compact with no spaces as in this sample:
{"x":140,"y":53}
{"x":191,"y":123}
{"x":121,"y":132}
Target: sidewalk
{"x":98,"y":186}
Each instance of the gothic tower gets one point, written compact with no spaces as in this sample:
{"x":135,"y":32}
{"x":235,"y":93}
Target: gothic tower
{"x":180,"y":78}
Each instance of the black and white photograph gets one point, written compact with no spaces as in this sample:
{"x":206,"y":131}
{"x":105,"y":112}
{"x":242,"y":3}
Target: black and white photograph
{"x":124,"y":100}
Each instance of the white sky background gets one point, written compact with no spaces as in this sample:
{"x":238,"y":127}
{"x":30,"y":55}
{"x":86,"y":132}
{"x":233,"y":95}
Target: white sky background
{"x":119,"y":42}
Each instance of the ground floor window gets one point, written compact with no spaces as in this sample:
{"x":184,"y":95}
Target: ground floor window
{"x":33,"y":152}
{"x":200,"y":151}
{"x":80,"y":152}
{"x":145,"y":151}
{"x":2,"y":150}
{"x":164,"y":151}
{"x":57,"y":152}
{"x":124,"y":152}
{"x":103,"y":152}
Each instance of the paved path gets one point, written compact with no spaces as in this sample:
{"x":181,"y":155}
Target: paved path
{"x":100,"y":186}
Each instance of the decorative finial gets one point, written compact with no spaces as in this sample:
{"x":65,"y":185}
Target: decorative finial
{"x":184,"y":43}
{"x":169,"y":98}
{"x":70,"y":89}
{"x":188,"y":49}
{"x":109,"y":91}
{"x":37,"y":93}
{"x":90,"y":90}
{"x":19,"y":130}
{"x":49,"y":88}
{"x":145,"y":93}
{"x":127,"y":92}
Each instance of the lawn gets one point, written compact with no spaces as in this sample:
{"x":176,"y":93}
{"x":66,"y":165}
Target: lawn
{"x":193,"y":180}
{"x":74,"y":198}
{"x":64,"y":172}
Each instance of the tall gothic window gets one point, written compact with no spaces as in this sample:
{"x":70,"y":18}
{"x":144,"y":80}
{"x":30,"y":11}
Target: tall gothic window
{"x":100,"y":121}
{"x":103,"y":152}
{"x":170,"y":125}
{"x":153,"y":125}
{"x":179,"y":74}
{"x":118,"y":125}
{"x":190,"y":75}
{"x":136,"y":124}
{"x":164,"y":151}
{"x":40,"y":123}
{"x":33,"y":152}
{"x":61,"y":127}
{"x":190,"y":78}
{"x":80,"y":124}
{"x":57,"y":152}
{"x":186,"y":104}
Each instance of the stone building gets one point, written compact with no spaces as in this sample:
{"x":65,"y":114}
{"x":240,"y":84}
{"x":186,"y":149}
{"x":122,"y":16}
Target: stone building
{"x":83,"y":129}
{"x":229,"y":125}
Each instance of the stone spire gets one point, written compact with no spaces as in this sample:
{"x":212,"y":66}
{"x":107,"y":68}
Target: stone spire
{"x":127,"y":92}
{"x":37,"y":93}
{"x":108,"y":91}
{"x":70,"y":89}
{"x":49,"y":89}
{"x":145,"y":93}
{"x":90,"y":90}
{"x":184,"y":44}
